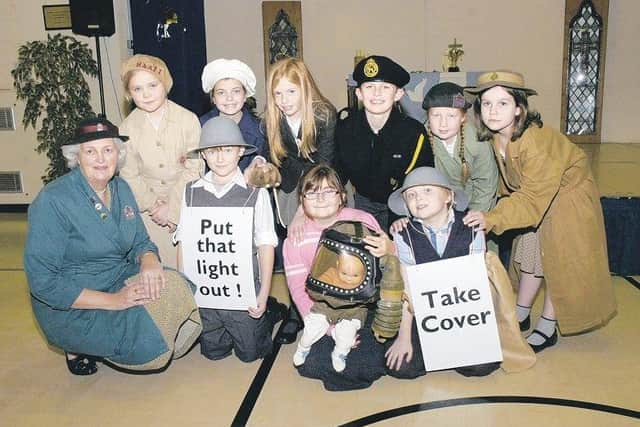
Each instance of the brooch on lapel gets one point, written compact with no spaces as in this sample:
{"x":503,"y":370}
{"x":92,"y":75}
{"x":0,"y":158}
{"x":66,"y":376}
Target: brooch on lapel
{"x":128,"y":212}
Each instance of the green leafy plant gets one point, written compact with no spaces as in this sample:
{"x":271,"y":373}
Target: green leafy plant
{"x":50,"y":78}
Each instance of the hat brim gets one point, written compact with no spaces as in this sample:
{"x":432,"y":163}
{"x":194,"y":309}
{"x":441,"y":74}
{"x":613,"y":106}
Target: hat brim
{"x":475,"y":90}
{"x":248,"y":149}
{"x":399,"y":207}
{"x":95,"y":136}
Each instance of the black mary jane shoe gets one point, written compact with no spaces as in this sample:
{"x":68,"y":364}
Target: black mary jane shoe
{"x":82,"y":364}
{"x":548,"y":341}
{"x":525,"y":324}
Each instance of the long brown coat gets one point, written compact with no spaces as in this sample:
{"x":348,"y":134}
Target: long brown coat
{"x":549,"y":185}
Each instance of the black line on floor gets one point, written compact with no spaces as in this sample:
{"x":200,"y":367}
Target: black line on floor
{"x":633,"y":281}
{"x":250,"y":399}
{"x":11,"y":269}
{"x":397,"y":412}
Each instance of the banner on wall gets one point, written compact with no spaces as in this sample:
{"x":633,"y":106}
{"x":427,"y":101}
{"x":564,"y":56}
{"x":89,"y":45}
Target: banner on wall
{"x":454,"y":312}
{"x":217,"y":256}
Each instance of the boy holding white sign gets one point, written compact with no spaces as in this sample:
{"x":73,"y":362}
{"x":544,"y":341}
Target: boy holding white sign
{"x":227,"y":240}
{"x":434,"y":232}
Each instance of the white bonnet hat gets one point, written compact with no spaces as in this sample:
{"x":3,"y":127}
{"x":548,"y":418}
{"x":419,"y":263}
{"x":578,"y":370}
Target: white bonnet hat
{"x":228,"y":69}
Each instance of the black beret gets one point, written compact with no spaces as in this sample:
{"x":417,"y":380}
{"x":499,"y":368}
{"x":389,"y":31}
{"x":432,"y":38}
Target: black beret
{"x":446,"y":94}
{"x":376,"y":68}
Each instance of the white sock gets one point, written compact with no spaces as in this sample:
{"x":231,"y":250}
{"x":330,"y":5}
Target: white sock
{"x":544,"y":325}
{"x":522,"y":312}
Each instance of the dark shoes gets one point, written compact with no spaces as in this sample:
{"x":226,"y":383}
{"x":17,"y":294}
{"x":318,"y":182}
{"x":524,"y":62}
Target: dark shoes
{"x":276,"y":311}
{"x":288,"y":332}
{"x":548,"y":341}
{"x":525,"y":324}
{"x":82,"y":364}
{"x":478,"y":370}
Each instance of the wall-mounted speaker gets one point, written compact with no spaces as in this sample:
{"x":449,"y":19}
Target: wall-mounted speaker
{"x":92,"y":17}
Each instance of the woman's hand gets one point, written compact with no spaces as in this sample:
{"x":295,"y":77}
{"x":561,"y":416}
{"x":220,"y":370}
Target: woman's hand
{"x":160,"y":213}
{"x":475,"y":219}
{"x":379,"y":245}
{"x":257,"y":312}
{"x":401,"y":351}
{"x":130,"y":295}
{"x":399,"y":225}
{"x":151,"y":276}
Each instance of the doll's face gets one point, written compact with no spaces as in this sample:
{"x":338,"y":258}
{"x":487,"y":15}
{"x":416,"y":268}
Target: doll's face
{"x":350,"y":271}
{"x":229,"y":96}
{"x":147,"y":92}
{"x":445,"y":122}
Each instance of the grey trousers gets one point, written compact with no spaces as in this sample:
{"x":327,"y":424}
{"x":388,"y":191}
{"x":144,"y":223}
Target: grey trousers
{"x":227,"y":330}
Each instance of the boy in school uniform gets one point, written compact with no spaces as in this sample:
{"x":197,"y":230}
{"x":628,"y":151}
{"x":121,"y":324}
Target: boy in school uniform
{"x":248,"y":333}
{"x":377,"y":146}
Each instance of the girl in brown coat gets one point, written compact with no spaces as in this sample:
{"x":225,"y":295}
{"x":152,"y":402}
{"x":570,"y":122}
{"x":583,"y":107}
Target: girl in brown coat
{"x":550,"y":191}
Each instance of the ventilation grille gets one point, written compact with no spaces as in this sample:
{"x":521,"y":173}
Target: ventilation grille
{"x":10,"y":182}
{"x":7,"y":121}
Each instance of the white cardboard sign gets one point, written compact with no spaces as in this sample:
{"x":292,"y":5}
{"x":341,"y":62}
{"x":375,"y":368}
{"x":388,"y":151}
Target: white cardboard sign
{"x":217,"y":256}
{"x":454,"y":312}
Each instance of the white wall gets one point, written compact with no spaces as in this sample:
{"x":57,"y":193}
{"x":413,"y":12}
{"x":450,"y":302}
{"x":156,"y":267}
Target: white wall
{"x":524,"y":35}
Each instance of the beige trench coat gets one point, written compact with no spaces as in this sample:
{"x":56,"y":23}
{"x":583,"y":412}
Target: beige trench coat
{"x":157,"y":168}
{"x":550,"y":185}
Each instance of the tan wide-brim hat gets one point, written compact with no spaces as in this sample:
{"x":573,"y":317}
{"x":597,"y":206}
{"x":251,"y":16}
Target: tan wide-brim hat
{"x":504,"y":78}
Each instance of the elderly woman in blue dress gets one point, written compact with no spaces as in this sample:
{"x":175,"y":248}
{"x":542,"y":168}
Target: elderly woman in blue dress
{"x":98,"y":289}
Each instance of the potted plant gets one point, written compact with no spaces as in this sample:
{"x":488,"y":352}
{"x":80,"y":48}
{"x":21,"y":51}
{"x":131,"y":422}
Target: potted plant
{"x":50,"y":78}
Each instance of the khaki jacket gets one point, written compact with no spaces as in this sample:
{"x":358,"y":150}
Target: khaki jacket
{"x":156,"y":166}
{"x":549,"y":185}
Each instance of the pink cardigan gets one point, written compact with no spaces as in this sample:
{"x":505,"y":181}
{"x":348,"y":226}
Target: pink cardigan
{"x":299,"y":258}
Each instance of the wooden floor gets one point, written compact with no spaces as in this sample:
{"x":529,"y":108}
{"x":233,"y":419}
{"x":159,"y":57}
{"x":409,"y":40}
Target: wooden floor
{"x":585,"y":380}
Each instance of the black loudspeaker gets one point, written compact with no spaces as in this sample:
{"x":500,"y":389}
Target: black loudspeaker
{"x":92,"y":17}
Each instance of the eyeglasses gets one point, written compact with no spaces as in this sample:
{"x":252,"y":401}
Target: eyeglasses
{"x":314,"y":195}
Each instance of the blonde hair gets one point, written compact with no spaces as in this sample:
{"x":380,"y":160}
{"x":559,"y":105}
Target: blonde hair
{"x":314,"y":106}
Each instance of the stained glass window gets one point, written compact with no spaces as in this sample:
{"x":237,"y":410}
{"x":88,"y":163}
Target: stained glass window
{"x":283,"y":38}
{"x":585,"y":32}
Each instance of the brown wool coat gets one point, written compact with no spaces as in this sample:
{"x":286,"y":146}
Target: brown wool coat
{"x":549,"y":185}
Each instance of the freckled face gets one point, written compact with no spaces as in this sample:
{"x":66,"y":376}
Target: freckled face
{"x":147,"y":91}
